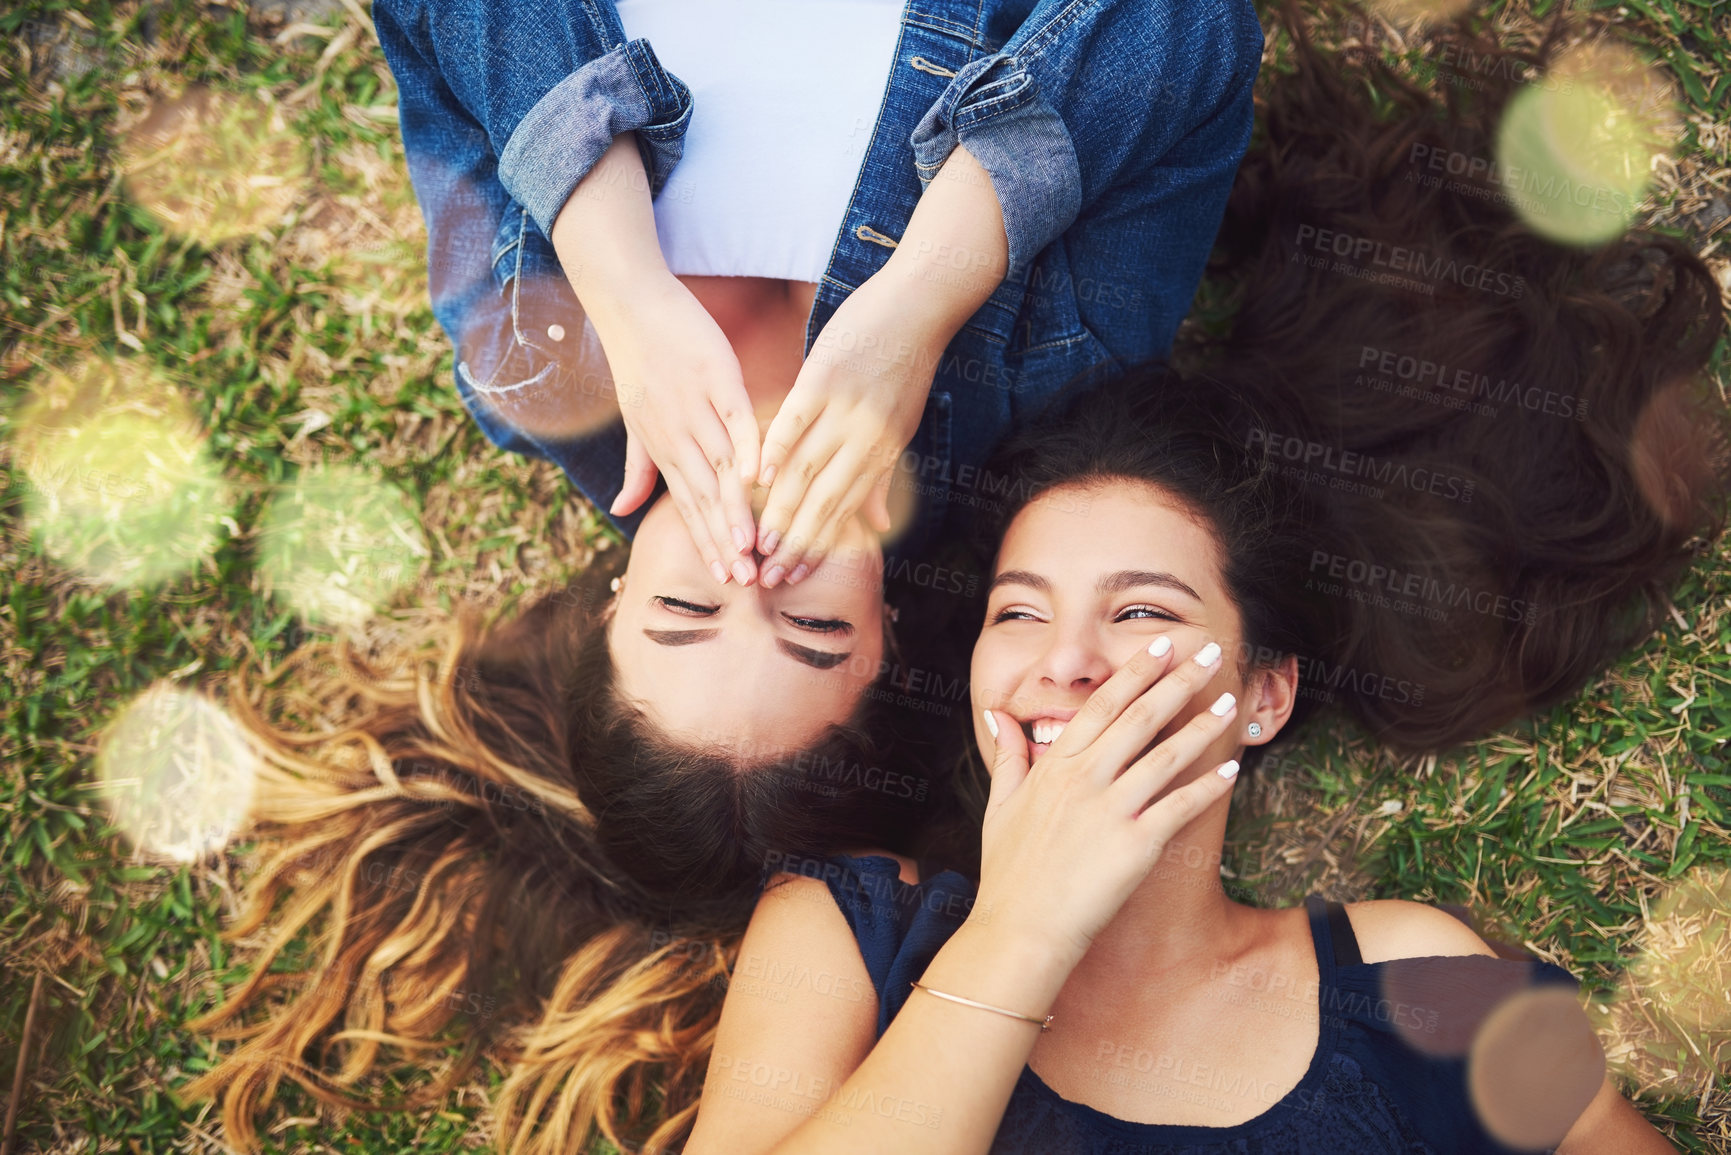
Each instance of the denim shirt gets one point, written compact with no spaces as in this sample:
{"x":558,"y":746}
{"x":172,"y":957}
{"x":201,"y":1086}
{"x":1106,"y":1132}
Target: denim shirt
{"x":1111,"y":130}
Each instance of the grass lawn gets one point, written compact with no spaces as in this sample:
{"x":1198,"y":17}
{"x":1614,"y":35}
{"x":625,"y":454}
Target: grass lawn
{"x":291,"y":328}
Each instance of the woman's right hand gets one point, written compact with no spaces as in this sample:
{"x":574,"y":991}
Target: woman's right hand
{"x":680,"y":389}
{"x":1065,"y":842}
{"x":687,"y":417}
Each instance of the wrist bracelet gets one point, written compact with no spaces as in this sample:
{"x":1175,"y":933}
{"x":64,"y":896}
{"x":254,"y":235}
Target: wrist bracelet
{"x":1044,"y":1023}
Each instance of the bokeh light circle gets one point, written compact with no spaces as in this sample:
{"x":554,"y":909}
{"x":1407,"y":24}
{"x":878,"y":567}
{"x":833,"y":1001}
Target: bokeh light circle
{"x":213,"y":166}
{"x":1576,"y":148}
{"x":1668,"y":1028}
{"x":544,"y":372}
{"x":176,"y":773}
{"x":122,"y":487}
{"x":1533,"y":1068}
{"x":1423,"y":11}
{"x":336,"y":543}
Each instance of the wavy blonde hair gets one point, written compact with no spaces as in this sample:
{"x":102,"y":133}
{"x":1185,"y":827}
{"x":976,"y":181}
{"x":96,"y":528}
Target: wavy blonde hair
{"x":385,"y":844}
{"x":436,"y":858}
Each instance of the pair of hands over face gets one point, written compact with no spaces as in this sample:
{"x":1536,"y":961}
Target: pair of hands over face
{"x":828,"y":454}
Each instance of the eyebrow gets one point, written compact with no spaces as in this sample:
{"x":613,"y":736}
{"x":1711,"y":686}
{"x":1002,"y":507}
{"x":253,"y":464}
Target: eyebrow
{"x":680,"y":637}
{"x":1114,"y":583}
{"x":816,"y":659}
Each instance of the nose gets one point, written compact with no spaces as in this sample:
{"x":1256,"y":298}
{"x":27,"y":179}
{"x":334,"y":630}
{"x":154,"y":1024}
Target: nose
{"x":1075,"y":660}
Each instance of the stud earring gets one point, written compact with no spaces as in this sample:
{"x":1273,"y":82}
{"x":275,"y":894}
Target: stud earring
{"x":1255,"y":729}
{"x":616,"y":584}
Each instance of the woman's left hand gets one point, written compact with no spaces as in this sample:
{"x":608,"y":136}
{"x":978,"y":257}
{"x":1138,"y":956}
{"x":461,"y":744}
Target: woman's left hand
{"x":854,"y":407}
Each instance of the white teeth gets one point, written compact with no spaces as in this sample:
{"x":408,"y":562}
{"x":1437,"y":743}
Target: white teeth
{"x":1046,"y":731}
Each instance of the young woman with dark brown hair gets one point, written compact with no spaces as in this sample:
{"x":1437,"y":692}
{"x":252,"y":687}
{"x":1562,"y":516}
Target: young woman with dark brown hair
{"x":1098,"y":991}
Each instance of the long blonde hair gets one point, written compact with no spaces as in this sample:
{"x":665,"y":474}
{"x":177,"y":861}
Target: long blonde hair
{"x":439,"y":853}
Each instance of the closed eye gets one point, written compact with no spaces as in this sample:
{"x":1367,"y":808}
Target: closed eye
{"x":820,"y":625}
{"x":686,"y":609}
{"x":1014,"y":614}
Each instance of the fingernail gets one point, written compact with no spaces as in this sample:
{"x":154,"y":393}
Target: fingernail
{"x":770,"y":541}
{"x":1207,"y":655}
{"x":1229,"y":770}
{"x":739,"y":540}
{"x":720,"y":574}
{"x":742,"y":572}
{"x":991,"y":724}
{"x":1159,"y":646}
{"x":773,"y":575}
{"x":768,"y":477}
{"x":1223,"y":705}
{"x":798,"y":574}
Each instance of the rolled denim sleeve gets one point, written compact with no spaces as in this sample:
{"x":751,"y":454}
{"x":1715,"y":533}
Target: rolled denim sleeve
{"x":1084,"y":92}
{"x":559,"y":140}
{"x":550,"y":85}
{"x":495,"y":283}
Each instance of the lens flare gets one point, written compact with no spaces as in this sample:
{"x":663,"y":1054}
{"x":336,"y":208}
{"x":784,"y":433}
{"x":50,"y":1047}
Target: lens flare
{"x":122,"y":489}
{"x":1673,"y":453}
{"x":1668,"y":1027}
{"x":1425,"y":11}
{"x":538,"y":366}
{"x":908,"y":492}
{"x":1534,"y":1067}
{"x":337,"y":543}
{"x":1576,"y":149}
{"x":176,"y":773}
{"x":214,"y":166}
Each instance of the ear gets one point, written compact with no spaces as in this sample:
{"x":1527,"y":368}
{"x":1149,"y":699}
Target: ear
{"x":1271,"y":695}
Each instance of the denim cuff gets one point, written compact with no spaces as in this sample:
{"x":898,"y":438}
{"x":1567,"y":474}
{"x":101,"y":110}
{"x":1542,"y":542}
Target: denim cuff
{"x":994,"y":107}
{"x":553,"y":148}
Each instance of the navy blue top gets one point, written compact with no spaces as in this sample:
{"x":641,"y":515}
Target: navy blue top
{"x":1389,"y":1073}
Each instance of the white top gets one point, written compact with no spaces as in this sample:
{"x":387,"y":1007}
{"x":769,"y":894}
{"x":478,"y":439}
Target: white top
{"x":786,"y":93}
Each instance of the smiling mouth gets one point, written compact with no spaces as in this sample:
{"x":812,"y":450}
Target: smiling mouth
{"x":1041,"y":733}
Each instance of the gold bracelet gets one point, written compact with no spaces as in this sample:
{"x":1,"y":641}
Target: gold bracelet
{"x":1044,"y":1023}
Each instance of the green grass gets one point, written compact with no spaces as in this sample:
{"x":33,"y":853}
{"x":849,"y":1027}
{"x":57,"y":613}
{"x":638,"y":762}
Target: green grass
{"x":312,"y":341}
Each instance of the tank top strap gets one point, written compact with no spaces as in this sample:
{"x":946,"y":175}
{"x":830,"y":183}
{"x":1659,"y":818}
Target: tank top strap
{"x":1331,"y":933}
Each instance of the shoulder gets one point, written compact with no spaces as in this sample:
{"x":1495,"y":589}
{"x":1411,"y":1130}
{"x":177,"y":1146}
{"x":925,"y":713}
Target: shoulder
{"x":800,"y":1009}
{"x":1390,"y":929}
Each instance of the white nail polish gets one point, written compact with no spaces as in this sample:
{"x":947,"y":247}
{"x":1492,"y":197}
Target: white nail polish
{"x":991,"y":723}
{"x":1229,"y":771}
{"x":1222,"y":705}
{"x":1207,"y":655}
{"x":1159,"y":646}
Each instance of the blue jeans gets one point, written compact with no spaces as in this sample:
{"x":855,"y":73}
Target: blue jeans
{"x":1111,"y":130}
